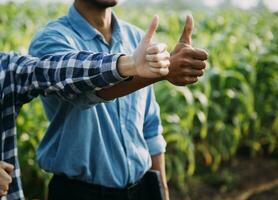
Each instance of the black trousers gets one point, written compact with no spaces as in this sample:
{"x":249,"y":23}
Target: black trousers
{"x":63,"y":188}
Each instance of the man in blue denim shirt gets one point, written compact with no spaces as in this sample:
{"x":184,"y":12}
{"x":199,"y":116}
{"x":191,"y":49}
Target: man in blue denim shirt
{"x":94,"y":143}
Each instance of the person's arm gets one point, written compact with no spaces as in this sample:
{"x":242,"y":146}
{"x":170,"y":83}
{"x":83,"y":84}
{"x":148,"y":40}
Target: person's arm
{"x":126,"y":87}
{"x":186,"y":65}
{"x":66,"y":75}
{"x":152,"y":129}
{"x":158,"y":164}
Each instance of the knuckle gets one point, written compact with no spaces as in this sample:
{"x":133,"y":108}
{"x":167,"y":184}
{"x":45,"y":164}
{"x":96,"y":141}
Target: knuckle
{"x":186,"y":79}
{"x":189,"y":79}
{"x":156,"y":49}
{"x":155,"y":58}
{"x":165,"y":71}
{"x":152,"y":65}
{"x":206,"y":55}
{"x":160,"y":63}
{"x":152,"y":70}
{"x":187,"y":62}
{"x":167,"y":63}
{"x":200,"y":65}
{"x":195,"y":79}
{"x":186,"y":71}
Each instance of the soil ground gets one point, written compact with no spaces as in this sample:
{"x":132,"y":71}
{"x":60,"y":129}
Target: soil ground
{"x":248,"y":179}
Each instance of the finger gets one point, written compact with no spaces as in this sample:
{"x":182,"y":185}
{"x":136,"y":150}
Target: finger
{"x":188,"y":29}
{"x":5,"y":177}
{"x":4,"y":187}
{"x":193,"y":72}
{"x":196,"y":64}
{"x":3,"y":193}
{"x":160,"y":71}
{"x":196,"y":53}
{"x":201,"y":54}
{"x":158,"y":57}
{"x":189,"y":79}
{"x":152,"y":29}
{"x":156,"y":48}
{"x":160,"y":64}
{"x":6,"y":166}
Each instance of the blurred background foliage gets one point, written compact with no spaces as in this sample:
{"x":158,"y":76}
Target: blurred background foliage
{"x":232,"y":110}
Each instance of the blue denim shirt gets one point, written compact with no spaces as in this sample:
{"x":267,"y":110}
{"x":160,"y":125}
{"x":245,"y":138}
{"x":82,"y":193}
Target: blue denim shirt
{"x":107,"y":143}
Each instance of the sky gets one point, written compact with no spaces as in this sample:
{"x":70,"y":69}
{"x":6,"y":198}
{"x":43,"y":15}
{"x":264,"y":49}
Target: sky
{"x":243,"y":4}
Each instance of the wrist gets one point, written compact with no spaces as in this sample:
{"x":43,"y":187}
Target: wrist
{"x":126,"y":66}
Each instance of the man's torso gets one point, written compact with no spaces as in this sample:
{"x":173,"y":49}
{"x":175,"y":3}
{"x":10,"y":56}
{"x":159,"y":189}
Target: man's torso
{"x":101,"y":144}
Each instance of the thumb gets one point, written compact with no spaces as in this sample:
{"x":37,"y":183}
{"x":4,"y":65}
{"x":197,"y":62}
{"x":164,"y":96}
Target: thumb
{"x":152,"y":29}
{"x":7,"y":167}
{"x":188,"y":29}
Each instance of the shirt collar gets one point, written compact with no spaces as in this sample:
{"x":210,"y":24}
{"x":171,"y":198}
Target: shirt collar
{"x":87,"y":31}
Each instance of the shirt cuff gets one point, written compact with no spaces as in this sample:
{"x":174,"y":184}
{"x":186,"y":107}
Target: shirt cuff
{"x":156,"y":145}
{"x":110,"y":71}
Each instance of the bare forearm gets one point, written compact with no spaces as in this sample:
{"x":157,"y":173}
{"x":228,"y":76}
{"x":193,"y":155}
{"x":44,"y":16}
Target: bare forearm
{"x":126,"y":87}
{"x":158,"y":163}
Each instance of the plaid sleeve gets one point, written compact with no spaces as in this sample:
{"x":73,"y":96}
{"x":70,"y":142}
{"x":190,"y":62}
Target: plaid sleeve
{"x":67,"y":75}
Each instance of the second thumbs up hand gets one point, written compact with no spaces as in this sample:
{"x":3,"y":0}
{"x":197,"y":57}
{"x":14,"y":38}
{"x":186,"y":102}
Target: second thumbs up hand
{"x":187,"y":62}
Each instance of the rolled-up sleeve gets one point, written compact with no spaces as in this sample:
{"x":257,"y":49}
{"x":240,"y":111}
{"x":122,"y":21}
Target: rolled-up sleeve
{"x":152,"y":125}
